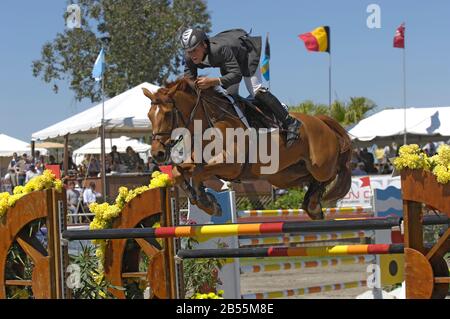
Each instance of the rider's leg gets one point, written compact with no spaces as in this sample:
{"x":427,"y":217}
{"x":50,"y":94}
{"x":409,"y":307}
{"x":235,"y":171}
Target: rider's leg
{"x":270,"y":102}
{"x":229,"y":96}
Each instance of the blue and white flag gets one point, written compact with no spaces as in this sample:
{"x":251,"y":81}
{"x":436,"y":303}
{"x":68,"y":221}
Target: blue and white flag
{"x":99,"y":66}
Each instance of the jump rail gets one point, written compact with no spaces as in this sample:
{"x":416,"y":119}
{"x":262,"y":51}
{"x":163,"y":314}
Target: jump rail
{"x":305,"y":291}
{"x":247,"y":229}
{"x":338,"y":250}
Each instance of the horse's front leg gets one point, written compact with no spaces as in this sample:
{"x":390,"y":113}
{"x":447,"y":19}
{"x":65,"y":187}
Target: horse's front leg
{"x":181,"y":175}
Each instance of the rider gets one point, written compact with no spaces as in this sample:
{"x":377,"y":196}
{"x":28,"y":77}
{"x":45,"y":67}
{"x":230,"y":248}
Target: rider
{"x":237,"y":55}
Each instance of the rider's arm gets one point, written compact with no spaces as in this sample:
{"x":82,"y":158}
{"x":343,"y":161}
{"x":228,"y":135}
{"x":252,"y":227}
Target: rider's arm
{"x":230,"y":68}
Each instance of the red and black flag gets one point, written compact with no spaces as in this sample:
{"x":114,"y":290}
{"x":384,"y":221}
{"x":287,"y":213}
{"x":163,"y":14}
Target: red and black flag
{"x":317,"y":40}
{"x":399,"y":39}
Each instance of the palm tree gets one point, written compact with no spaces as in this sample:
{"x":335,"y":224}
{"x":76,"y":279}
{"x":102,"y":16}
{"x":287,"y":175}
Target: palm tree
{"x":345,"y":113}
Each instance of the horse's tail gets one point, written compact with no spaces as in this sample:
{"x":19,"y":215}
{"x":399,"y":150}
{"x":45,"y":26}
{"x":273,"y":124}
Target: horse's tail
{"x":343,"y":182}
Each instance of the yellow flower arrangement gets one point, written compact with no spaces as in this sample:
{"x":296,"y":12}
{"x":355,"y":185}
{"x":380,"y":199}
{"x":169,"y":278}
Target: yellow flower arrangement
{"x":210,"y":295}
{"x":45,"y":181}
{"x":106,"y":213}
{"x":411,"y":156}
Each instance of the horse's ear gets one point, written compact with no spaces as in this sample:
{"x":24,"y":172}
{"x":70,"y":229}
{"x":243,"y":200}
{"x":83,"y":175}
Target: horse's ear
{"x":148,"y":94}
{"x":173,"y":90}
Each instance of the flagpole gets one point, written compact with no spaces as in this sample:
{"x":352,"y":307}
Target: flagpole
{"x":103,"y":156}
{"x":329,"y":80}
{"x":404,"y":92}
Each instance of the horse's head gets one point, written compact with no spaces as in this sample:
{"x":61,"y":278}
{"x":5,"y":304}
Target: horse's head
{"x":169,"y":111}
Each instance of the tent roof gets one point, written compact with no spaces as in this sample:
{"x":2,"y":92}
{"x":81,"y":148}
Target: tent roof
{"x":429,"y":121}
{"x":94,"y":147}
{"x":10,"y":145}
{"x":126,"y":112}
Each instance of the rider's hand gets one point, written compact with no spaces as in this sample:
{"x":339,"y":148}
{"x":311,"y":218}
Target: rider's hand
{"x":204,"y":83}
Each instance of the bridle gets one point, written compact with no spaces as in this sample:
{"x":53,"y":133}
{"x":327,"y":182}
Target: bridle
{"x":176,"y":115}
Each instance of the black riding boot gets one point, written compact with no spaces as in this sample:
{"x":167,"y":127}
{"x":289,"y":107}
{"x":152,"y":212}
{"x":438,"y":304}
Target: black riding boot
{"x":290,"y":124}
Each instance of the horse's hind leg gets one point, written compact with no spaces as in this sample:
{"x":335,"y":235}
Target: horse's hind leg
{"x":312,"y":201}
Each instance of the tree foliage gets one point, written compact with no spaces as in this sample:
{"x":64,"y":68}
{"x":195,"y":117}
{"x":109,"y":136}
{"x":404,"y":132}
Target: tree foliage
{"x":142,"y":44}
{"x":345,"y":113}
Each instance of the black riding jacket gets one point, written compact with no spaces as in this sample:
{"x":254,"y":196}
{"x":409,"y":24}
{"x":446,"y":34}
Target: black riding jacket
{"x":236,"y":54}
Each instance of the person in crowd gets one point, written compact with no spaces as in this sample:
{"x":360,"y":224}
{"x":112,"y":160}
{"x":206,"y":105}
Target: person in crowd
{"x":40,"y":164}
{"x":71,"y":165}
{"x":73,"y":199}
{"x":52,"y":160}
{"x":429,"y":149}
{"x":10,"y":180}
{"x":15,"y":159}
{"x":32,"y":172}
{"x":94,"y":167}
{"x":358,"y":169}
{"x":116,"y":159}
{"x":90,"y":195}
{"x":12,"y":172}
{"x":386,"y":169}
{"x":132,"y":159}
{"x":36,"y":158}
{"x":368,"y":160}
{"x":21,"y":169}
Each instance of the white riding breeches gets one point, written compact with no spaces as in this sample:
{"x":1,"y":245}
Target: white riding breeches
{"x":254,"y":83}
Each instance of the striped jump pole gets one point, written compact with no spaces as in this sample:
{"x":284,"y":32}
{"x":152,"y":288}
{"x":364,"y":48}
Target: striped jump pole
{"x":305,"y":291}
{"x":294,"y":239}
{"x":349,"y":224}
{"x":300,"y":212}
{"x":235,"y":229}
{"x":338,"y":250}
{"x":328,"y":262}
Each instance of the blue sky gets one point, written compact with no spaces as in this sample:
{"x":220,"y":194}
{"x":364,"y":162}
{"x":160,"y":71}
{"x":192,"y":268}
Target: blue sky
{"x":364,"y":61}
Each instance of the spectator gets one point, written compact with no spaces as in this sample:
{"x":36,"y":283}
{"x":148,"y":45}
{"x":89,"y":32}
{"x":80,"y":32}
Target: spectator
{"x":73,"y":199}
{"x":115,"y":156}
{"x":40,"y":164}
{"x":90,"y":195}
{"x":32,"y":172}
{"x":368,"y":160}
{"x":10,"y":180}
{"x":36,"y":158}
{"x":52,"y":160}
{"x":386,"y":169}
{"x":71,"y":164}
{"x":429,"y":149}
{"x":14,"y":161}
{"x":358,"y":169}
{"x":21,"y":169}
{"x":94,"y":167}
{"x":132,"y":159}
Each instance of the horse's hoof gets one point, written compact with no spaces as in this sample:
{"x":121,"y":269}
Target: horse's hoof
{"x":215,"y":206}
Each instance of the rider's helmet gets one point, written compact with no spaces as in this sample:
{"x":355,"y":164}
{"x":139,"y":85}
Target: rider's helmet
{"x":191,"y":38}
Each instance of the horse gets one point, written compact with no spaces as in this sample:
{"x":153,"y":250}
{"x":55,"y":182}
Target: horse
{"x":319,"y":159}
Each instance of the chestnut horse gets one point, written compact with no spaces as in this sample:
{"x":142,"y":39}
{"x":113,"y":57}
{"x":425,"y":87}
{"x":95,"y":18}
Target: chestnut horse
{"x":320,"y":157}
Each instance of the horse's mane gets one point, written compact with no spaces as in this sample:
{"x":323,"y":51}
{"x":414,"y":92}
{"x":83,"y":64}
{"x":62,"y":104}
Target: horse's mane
{"x":187,"y":85}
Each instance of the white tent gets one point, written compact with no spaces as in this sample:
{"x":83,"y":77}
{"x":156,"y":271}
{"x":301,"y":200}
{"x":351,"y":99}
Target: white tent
{"x":9,"y":145}
{"x":126,"y":112}
{"x":94,"y":147}
{"x":422,"y":124}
